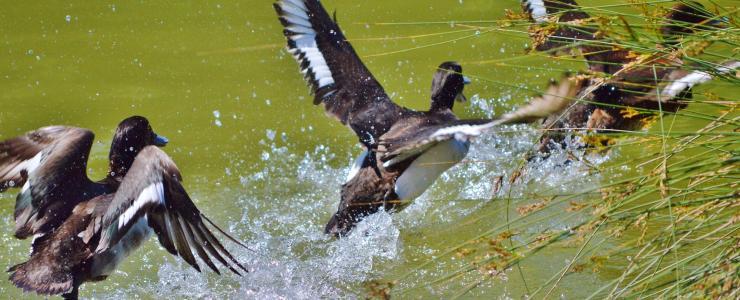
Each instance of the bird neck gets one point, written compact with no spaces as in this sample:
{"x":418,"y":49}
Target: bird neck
{"x":442,"y":102}
{"x":120,"y":160}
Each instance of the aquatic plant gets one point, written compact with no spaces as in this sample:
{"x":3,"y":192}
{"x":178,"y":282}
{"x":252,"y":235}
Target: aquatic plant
{"x":664,"y":220}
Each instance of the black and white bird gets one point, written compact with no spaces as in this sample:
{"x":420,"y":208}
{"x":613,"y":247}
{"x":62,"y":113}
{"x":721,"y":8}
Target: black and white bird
{"x":649,"y":83}
{"x":604,"y":102}
{"x":406,"y":150}
{"x":83,"y":229}
{"x":560,"y":26}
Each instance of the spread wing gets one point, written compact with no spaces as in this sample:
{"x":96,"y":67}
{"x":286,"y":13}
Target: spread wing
{"x":18,"y":154}
{"x":152,"y":190}
{"x":50,"y":165}
{"x":558,"y":29}
{"x":337,"y":76}
{"x":401,"y":145}
{"x":677,"y":84}
{"x":552,"y":15}
{"x":639,"y":88}
{"x":540,"y":10}
{"x":557,"y":98}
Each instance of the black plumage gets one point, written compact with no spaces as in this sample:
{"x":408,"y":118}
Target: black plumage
{"x":83,"y":229}
{"x":406,"y":150}
{"x":351,"y":94}
{"x":647,"y":83}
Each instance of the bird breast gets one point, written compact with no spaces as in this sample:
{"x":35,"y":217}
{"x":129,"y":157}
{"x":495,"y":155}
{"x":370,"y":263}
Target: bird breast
{"x":424,"y":170}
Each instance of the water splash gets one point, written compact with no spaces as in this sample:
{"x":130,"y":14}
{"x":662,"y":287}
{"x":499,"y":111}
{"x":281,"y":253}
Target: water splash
{"x":287,"y":198}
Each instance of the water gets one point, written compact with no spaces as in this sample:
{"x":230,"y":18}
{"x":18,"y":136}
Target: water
{"x":262,"y":161}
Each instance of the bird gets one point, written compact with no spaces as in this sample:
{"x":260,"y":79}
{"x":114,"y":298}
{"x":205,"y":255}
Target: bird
{"x":83,"y":229}
{"x":560,"y":26}
{"x":405,"y":150}
{"x":605,"y":106}
{"x":649,"y":83}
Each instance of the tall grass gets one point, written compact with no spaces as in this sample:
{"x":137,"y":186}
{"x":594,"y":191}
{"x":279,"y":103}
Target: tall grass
{"x":669,"y":229}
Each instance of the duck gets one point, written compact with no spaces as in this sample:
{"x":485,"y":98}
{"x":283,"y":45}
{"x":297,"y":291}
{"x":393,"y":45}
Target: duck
{"x":617,"y":107}
{"x":405,"y":150}
{"x":83,"y":229}
{"x":659,"y":82}
{"x":561,"y":26}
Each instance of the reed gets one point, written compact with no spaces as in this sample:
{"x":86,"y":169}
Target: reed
{"x":667,"y":227}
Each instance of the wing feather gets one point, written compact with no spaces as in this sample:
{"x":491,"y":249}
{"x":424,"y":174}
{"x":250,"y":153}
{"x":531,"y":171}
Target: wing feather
{"x":50,"y":165}
{"x":338,"y":78}
{"x":152,"y":189}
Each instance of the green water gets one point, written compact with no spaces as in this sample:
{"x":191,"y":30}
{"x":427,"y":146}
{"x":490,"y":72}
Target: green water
{"x":256,"y":155}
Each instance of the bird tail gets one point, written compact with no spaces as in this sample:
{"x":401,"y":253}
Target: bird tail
{"x":339,"y":225}
{"x":42,"y":277}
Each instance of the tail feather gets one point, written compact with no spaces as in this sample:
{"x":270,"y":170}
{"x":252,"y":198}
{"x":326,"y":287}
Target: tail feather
{"x":339,"y":225}
{"x":42,"y":278}
{"x":559,"y":96}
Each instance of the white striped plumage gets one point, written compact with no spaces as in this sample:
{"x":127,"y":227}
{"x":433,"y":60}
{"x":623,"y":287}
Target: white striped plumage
{"x":537,"y":9}
{"x":687,"y":82}
{"x":152,"y":194}
{"x":30,"y":166}
{"x":694,"y":78}
{"x":304,"y":47}
{"x":462,"y":133}
{"x":356,"y":166}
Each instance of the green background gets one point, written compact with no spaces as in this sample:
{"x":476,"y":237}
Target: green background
{"x":271,"y":172}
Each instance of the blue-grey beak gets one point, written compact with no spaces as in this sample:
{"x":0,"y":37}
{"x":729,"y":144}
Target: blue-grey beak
{"x":721,"y":23}
{"x":466,"y":80}
{"x":160,"y":141}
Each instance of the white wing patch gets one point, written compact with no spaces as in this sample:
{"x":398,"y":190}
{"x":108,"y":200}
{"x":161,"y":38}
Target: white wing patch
{"x":537,"y":9}
{"x":304,"y":47}
{"x":30,"y":166}
{"x":356,"y":166}
{"x":463,"y":133}
{"x":684,"y":83}
{"x":154,"y":193}
{"x":459,"y":133}
{"x":35,"y":237}
{"x":694,"y":78}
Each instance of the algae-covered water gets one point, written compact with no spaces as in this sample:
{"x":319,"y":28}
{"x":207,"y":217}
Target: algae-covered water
{"x":263,"y":162}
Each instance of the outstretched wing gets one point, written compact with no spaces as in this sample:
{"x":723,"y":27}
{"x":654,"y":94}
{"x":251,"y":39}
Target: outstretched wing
{"x":338,"y":77}
{"x":50,"y":165}
{"x":554,"y":34}
{"x":408,"y":144}
{"x":558,"y":97}
{"x":397,"y":148}
{"x":152,"y":190}
{"x":560,"y":26}
{"x":20,"y":153}
{"x":540,"y":10}
{"x":676,"y":85}
{"x":664,"y":86}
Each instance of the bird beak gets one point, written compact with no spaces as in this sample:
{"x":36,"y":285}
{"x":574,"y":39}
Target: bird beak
{"x":719,"y":22}
{"x":160,"y":141}
{"x":461,"y":97}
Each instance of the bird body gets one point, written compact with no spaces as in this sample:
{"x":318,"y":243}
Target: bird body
{"x":648,"y":84}
{"x":81,"y":229}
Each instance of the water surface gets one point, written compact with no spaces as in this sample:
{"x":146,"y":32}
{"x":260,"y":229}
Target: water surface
{"x":266,"y":164}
